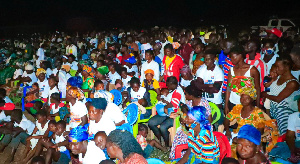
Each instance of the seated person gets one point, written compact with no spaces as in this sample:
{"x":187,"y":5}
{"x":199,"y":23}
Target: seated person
{"x":150,"y":83}
{"x":29,"y":76}
{"x":33,"y":93}
{"x":43,"y":83}
{"x":57,"y":109}
{"x":37,"y":106}
{"x":100,"y":141}
{"x":125,"y":79}
{"x":147,"y":145}
{"x":186,"y":76}
{"x":100,"y":92}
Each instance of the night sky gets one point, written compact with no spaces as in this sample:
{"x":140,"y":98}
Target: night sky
{"x":98,"y":14}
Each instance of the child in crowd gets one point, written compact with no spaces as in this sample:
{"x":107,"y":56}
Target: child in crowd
{"x":113,"y":76}
{"x":33,"y":93}
{"x":37,"y":106}
{"x":57,"y":110}
{"x":147,"y":145}
{"x":43,"y":83}
{"x":268,"y":80}
{"x":198,"y":58}
{"x":132,"y":69}
{"x":100,"y":141}
{"x":100,"y":92}
{"x":150,"y":83}
{"x":186,"y":76}
{"x":125,"y":79}
{"x":52,"y":88}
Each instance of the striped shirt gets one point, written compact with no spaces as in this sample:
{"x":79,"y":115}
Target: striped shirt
{"x":227,"y":65}
{"x":205,"y":145}
{"x":260,"y":65}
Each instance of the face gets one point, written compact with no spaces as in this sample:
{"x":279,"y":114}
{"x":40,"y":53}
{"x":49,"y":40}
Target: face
{"x":198,"y":49}
{"x":75,"y":147}
{"x":235,"y":58}
{"x":188,"y":120}
{"x":100,"y":141}
{"x":135,"y":87}
{"x":144,"y":133}
{"x":171,"y":87}
{"x":148,"y":56}
{"x":29,"y":71}
{"x":69,"y":97}
{"x":149,"y":76}
{"x":124,"y":74}
{"x":112,"y":149}
{"x":99,"y":87}
{"x":188,"y":96}
{"x":84,"y":74}
{"x":280,"y":68}
{"x":57,"y":64}
{"x":41,"y":77}
{"x":52,"y":127}
{"x":250,"y":46}
{"x":246,"y":100}
{"x":40,"y":119}
{"x":272,"y":36}
{"x":169,"y":52}
{"x":94,"y":113}
{"x":246,"y":149}
{"x":60,"y":129}
{"x":51,"y":82}
{"x":99,"y":64}
{"x":111,"y":68}
{"x":226,"y":47}
{"x":64,"y":60}
{"x":209,"y":60}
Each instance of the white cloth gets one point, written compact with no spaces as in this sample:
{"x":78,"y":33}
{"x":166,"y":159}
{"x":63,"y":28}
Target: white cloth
{"x":162,"y":49}
{"x":26,"y":125}
{"x":71,"y":49}
{"x":41,"y":131}
{"x":135,"y":96}
{"x":54,"y":71}
{"x":74,"y":65}
{"x":41,"y":54}
{"x":17,"y":73}
{"x":210,"y":77}
{"x":294,"y":124}
{"x":93,"y":155}
{"x":105,"y":124}
{"x":144,"y":47}
{"x":104,"y":94}
{"x":48,"y":72}
{"x":59,"y":139}
{"x":184,"y":82}
{"x":152,"y":65}
{"x":44,"y":88}
{"x":77,"y":111}
{"x":296,"y":74}
{"x":62,"y":83}
{"x":54,"y":90}
{"x":32,"y":77}
{"x":126,"y":82}
{"x":113,"y":112}
{"x":7,"y":99}
{"x":4,"y":117}
{"x":134,"y":68}
{"x":113,"y":77}
{"x":270,"y":63}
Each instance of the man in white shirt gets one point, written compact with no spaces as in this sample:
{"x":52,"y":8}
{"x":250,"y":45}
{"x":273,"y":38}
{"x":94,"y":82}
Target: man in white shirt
{"x":29,"y":76}
{"x":210,"y":78}
{"x":113,"y":112}
{"x":71,"y":49}
{"x":41,"y":55}
{"x":150,"y":64}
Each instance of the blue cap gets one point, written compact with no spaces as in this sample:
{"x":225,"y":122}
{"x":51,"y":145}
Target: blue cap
{"x":131,"y":60}
{"x":250,"y":133}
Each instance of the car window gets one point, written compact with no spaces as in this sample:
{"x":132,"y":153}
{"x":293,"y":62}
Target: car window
{"x":274,"y":23}
{"x":286,"y":23}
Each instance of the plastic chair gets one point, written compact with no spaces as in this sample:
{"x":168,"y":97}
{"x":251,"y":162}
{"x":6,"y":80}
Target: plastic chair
{"x":154,"y":161}
{"x":225,"y":149}
{"x":132,"y":114}
{"x":215,"y":111}
{"x":117,"y":96}
{"x":179,"y":149}
{"x":281,"y":138}
{"x":126,"y":127}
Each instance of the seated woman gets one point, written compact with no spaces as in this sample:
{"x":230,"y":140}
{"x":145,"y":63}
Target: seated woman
{"x":203,"y":145}
{"x":248,"y":146}
{"x":123,"y":146}
{"x":87,"y":77}
{"x":165,"y":118}
{"x":150,"y":83}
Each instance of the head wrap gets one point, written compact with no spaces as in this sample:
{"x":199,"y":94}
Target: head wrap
{"x":29,"y":67}
{"x":103,"y":70}
{"x":185,"y":69}
{"x":243,"y":85}
{"x":66,"y":67}
{"x":88,"y":69}
{"x":149,"y":71}
{"x":39,"y":71}
{"x":197,"y":113}
{"x":250,"y":133}
{"x":75,"y":81}
{"x":99,"y":103}
{"x":76,"y":93}
{"x":79,"y":134}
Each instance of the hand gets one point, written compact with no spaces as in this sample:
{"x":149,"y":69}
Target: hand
{"x":226,"y":110}
{"x":228,"y":135}
{"x":166,"y":110}
{"x":173,"y":115}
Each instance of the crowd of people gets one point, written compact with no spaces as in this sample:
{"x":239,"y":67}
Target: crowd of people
{"x":81,"y":92}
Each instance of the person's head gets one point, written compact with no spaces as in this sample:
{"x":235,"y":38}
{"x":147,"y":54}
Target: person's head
{"x":285,"y":46}
{"x":123,"y":72}
{"x":64,"y":59}
{"x":210,"y":57}
{"x":41,"y":74}
{"x":169,"y":50}
{"x":38,"y":160}
{"x":71,"y":58}
{"x":2,"y":93}
{"x":97,"y":108}
{"x":227,"y":44}
{"x":268,"y":47}
{"x":237,"y":54}
{"x":99,"y":85}
{"x":284,"y":64}
{"x":41,"y":116}
{"x":229,"y":160}
{"x":55,"y":97}
{"x":197,"y":115}
{"x":124,"y":49}
{"x":135,"y":84}
{"x":186,"y":72}
{"x":37,"y":105}
{"x":295,"y":55}
{"x":192,"y":92}
{"x":274,"y":34}
{"x":172,"y":83}
{"x":107,"y":161}
{"x":149,"y":73}
{"x":74,"y":93}
{"x":87,"y":71}
{"x":149,"y":55}
{"x":75,"y":81}
{"x":112,"y":68}
{"x":100,"y":139}
{"x":183,"y":39}
{"x":78,"y":139}
{"x":248,"y":142}
{"x":58,"y":64}
{"x":164,"y":91}
{"x":143,"y":130}
{"x":52,"y":125}
{"x":252,"y":46}
{"x":246,"y":100}
{"x":60,"y":127}
{"x":100,"y":63}
{"x":52,"y":82}
{"x":199,"y":47}
{"x":120,"y":144}
{"x":16,"y":115}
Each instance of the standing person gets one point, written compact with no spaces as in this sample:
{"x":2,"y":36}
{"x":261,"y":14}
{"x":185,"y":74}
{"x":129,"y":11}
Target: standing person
{"x":254,"y":58}
{"x":210,"y":78}
{"x":239,"y":75}
{"x":295,"y":55}
{"x":123,"y":146}
{"x":185,"y":49}
{"x":268,"y":54}
{"x":282,"y":93}
{"x":40,"y":55}
{"x":198,"y":58}
{"x":150,"y":64}
{"x":125,"y":54}
{"x":172,"y":63}
{"x":71,"y":49}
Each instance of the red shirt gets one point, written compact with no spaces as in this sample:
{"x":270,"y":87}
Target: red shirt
{"x":174,"y":68}
{"x":135,"y":159}
{"x":125,"y":57}
{"x":185,"y":52}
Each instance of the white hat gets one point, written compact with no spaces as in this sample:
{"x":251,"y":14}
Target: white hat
{"x":148,"y":47}
{"x":29,"y":67}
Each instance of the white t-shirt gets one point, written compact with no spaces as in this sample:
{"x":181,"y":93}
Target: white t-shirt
{"x":296,"y":74}
{"x":210,"y":77}
{"x":41,"y":55}
{"x":93,"y":155}
{"x":7,"y":99}
{"x":44,"y":88}
{"x":77,"y":111}
{"x":185,"y":83}
{"x":113,"y":112}
{"x":32,"y":77}
{"x":54,"y":90}
{"x":26,"y":125}
{"x":270,"y":63}
{"x":126,"y":82}
{"x":134,"y":68}
{"x":135,"y":96}
{"x":113,"y":77}
{"x":105,"y":124}
{"x":3,"y":117}
{"x":104,"y":94}
{"x":294,"y":124}
{"x":152,"y":65}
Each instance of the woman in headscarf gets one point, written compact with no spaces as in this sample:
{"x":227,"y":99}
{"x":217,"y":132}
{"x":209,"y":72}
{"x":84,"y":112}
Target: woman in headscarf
{"x":248,"y":146}
{"x":87,"y":77}
{"x":88,"y":152}
{"x":203,"y":145}
{"x":43,"y":82}
{"x":123,"y":146}
{"x":78,"y":109}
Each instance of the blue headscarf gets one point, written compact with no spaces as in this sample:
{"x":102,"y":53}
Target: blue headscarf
{"x":75,"y":81}
{"x":79,"y":134}
{"x":197,"y":113}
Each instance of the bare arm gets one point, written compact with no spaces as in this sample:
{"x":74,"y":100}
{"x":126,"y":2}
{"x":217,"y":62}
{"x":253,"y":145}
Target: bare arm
{"x":84,"y":120}
{"x":185,"y":157}
{"x":255,"y":74}
{"x":286,"y":92}
{"x":290,"y":140}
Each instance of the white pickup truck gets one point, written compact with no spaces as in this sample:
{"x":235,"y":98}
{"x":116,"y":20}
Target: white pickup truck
{"x":284,"y":25}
